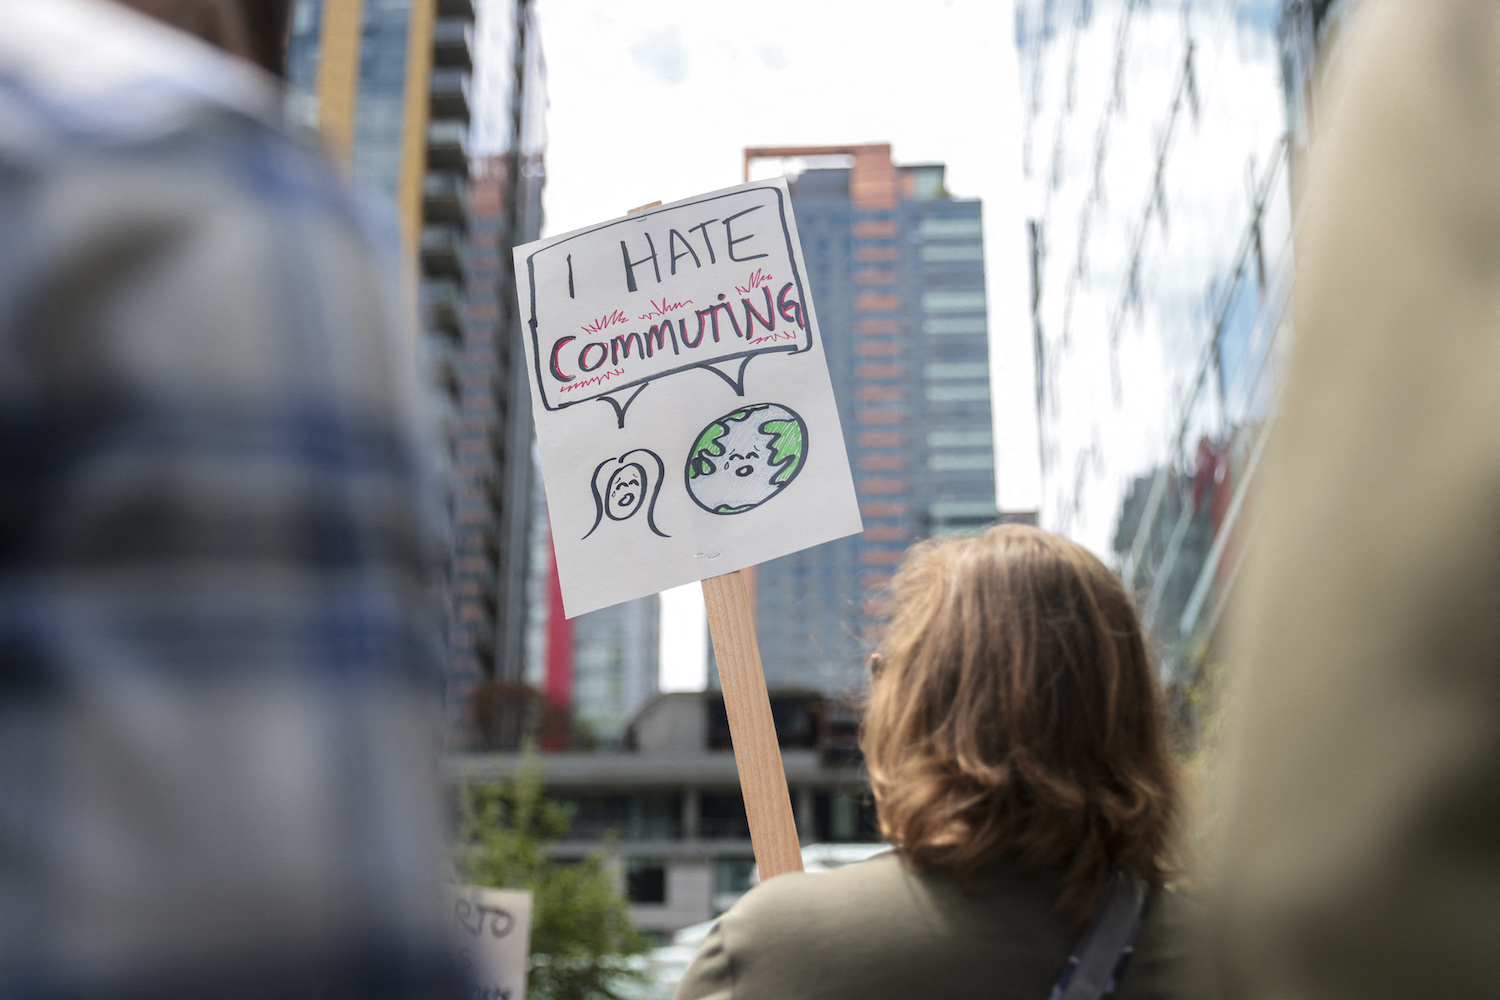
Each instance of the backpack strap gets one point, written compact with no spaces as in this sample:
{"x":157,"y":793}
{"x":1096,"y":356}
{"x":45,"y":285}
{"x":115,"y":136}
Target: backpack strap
{"x":1100,"y":954}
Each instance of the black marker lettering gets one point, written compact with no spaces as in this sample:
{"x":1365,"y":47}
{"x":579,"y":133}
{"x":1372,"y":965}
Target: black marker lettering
{"x":583,"y":357}
{"x":706,"y":241}
{"x":790,"y":309}
{"x":623,"y":341}
{"x":728,"y":311}
{"x":729,"y":235}
{"x":768,"y":320}
{"x":656,"y":339}
{"x":631,"y":265}
{"x":672,"y":237}
{"x":570,"y":276}
{"x":700,"y":313}
{"x":557,"y":372}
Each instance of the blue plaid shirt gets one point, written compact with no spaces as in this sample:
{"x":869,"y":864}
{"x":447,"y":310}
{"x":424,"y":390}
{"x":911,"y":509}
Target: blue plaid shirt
{"x":219,"y":670}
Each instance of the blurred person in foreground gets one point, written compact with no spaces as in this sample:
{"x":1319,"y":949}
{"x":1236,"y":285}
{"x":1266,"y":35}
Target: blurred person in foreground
{"x":1015,"y":740}
{"x":219,"y":678}
{"x":1362,"y":852}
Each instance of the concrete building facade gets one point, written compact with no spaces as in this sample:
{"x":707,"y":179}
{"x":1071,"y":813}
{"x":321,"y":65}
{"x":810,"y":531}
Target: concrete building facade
{"x":667,"y":810}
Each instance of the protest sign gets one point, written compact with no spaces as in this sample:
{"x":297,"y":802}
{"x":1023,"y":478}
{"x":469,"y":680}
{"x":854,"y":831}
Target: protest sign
{"x":493,"y":929}
{"x":683,"y":407}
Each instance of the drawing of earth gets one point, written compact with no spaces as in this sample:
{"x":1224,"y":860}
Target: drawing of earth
{"x":745,"y":458}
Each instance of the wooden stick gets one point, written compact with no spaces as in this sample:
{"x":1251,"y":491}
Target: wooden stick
{"x":757,"y":756}
{"x":768,"y":805}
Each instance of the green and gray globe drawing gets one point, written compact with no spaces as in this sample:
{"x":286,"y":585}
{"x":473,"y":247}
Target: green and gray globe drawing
{"x":745,"y":458}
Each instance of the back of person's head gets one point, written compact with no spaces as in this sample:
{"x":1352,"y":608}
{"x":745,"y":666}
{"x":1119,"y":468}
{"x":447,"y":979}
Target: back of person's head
{"x":1015,"y":713}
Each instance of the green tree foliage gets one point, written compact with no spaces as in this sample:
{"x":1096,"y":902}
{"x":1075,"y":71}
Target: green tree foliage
{"x":581,"y":934}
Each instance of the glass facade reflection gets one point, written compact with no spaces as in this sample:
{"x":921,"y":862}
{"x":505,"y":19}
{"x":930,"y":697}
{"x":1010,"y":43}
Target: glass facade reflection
{"x":382,"y":93}
{"x":1156,"y":143}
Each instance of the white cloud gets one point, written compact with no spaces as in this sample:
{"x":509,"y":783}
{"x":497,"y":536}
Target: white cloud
{"x":772,"y":56}
{"x":661,"y":53}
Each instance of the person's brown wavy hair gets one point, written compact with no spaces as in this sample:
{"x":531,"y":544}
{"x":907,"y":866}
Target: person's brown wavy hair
{"x":1015,"y":713}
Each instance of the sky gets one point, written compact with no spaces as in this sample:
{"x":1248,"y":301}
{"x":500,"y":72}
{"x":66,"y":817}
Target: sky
{"x":656,"y":100}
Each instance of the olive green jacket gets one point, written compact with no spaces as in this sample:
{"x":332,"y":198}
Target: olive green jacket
{"x":880,"y":931}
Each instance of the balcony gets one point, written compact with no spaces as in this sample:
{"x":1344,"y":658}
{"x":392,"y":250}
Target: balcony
{"x":445,"y":197}
{"x":448,"y":145}
{"x":449,"y":96}
{"x":453,"y":44}
{"x":442,"y":305}
{"x":456,"y":8}
{"x":443,"y":367}
{"x":442,"y":251}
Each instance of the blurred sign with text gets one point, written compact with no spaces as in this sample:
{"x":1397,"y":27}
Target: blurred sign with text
{"x":493,"y":929}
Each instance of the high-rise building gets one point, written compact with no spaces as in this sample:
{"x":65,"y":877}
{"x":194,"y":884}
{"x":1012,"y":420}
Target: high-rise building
{"x":439,"y":119}
{"x":1161,"y":144}
{"x":491,"y":444}
{"x":614,"y":668}
{"x":896,"y":267}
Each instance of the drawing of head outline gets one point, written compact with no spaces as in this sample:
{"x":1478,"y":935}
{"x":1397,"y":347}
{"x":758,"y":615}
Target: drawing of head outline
{"x":746,"y":457}
{"x":611,"y":487}
{"x":625,"y":491}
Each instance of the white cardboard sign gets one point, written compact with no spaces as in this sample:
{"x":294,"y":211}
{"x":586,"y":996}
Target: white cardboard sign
{"x":493,"y":928}
{"x":678,"y":379}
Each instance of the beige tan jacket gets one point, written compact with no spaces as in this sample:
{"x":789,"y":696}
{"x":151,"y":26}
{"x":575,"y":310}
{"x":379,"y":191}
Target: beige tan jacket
{"x":1363,"y":851}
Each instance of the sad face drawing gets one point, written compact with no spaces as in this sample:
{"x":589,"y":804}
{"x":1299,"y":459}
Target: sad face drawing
{"x":745,"y":458}
{"x":625,"y":486}
{"x":625,"y":491}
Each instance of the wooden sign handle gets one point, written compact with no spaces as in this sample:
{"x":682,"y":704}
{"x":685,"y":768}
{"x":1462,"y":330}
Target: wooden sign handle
{"x":768,"y":805}
{"x":757,"y":756}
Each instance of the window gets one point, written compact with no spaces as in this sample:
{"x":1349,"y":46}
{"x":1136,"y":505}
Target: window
{"x":732,"y":875}
{"x":935,"y":253}
{"x":961,"y":461}
{"x":977,"y":438}
{"x":646,"y":880}
{"x":958,"y":369}
{"x":952,"y":301}
{"x":937,"y":227}
{"x":958,"y":392}
{"x":639,"y":817}
{"x":962,"y":324}
{"x":952,"y":510}
{"x":722,"y":814}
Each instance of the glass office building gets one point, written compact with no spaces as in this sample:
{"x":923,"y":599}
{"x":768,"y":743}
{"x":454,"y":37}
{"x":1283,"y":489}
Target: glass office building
{"x":1160,"y":145}
{"x":896,"y":267}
